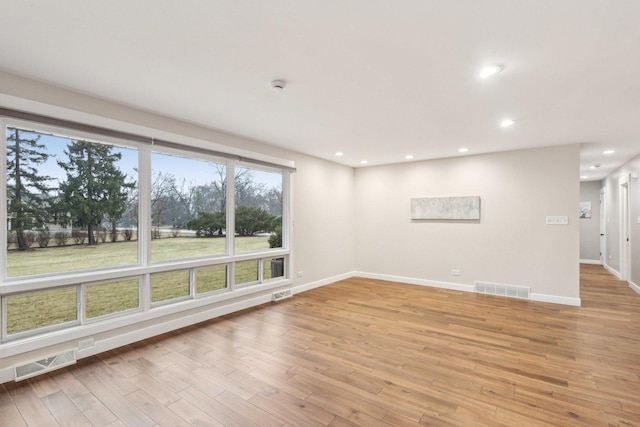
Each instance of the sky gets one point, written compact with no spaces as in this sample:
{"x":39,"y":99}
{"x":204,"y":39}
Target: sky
{"x":194,"y":172}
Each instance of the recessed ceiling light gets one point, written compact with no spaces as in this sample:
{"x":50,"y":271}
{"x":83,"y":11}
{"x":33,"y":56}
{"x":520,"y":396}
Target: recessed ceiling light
{"x":409,"y":156}
{"x":363,"y":162}
{"x":463,"y":150}
{"x":506,"y":123}
{"x":584,"y":176}
{"x":490,"y":70}
{"x":339,"y":153}
{"x":608,"y":151}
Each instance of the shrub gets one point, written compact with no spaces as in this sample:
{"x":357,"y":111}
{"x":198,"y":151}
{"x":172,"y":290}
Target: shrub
{"x":127,"y":234}
{"x":61,"y":238}
{"x":175,"y":232}
{"x":208,"y":224}
{"x":101,"y":234}
{"x":155,"y":233}
{"x":275,"y":240}
{"x":11,"y":239}
{"x":78,"y":236}
{"x":30,"y":237}
{"x":43,"y":238}
{"x":252,"y":220}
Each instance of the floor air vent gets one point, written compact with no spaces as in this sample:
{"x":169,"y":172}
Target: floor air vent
{"x":502,"y":290}
{"x":48,"y":364}
{"x":277,"y":296}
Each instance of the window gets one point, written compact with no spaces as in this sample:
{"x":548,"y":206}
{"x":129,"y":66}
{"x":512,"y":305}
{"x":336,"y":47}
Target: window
{"x":114,"y":297}
{"x":246,"y":273}
{"x":170,"y":285}
{"x":71,"y":203}
{"x":210,"y":279}
{"x":258,"y":217}
{"x":34,"y":310}
{"x":188,"y":207}
{"x":273,"y":268}
{"x":118,"y":229}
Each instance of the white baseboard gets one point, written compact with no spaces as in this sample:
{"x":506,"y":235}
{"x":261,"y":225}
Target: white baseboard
{"x":308,"y":286}
{"x":611,"y":270}
{"x":412,"y":281}
{"x":466,"y":288}
{"x":590,"y":261}
{"x":576,"y":302}
{"x":634,"y":287}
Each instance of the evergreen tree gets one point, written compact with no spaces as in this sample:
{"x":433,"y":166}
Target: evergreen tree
{"x":27,"y":191}
{"x":251,"y":220}
{"x":95,"y":188}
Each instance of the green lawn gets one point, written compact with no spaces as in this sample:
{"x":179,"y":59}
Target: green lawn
{"x":51,"y":307}
{"x":55,"y":259}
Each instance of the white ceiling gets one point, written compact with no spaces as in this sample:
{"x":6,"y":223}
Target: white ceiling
{"x":375,"y":79}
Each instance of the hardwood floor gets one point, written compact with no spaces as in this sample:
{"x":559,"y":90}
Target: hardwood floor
{"x":365,"y":352}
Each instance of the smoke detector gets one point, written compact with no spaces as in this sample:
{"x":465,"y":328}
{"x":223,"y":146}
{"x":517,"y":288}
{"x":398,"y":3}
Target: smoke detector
{"x":277,"y":85}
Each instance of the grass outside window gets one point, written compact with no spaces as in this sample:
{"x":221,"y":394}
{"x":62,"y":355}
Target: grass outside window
{"x":43,"y":308}
{"x":170,"y":285}
{"x":114,"y":297}
{"x":78,"y":257}
{"x":246,"y":272}
{"x":211,"y":279}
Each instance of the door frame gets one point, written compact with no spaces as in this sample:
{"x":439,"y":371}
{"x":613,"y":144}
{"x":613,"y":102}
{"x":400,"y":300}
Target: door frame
{"x":603,"y":228}
{"x":625,"y":253}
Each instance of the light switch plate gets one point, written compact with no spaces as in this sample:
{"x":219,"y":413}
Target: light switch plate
{"x":557,"y":220}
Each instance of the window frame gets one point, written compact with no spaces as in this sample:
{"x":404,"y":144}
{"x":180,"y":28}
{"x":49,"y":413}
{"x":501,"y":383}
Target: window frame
{"x":63,"y":133}
{"x":81,"y":279}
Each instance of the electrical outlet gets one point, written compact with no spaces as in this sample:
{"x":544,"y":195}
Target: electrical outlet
{"x":89,"y":342}
{"x":455,"y":272}
{"x":299,"y":273}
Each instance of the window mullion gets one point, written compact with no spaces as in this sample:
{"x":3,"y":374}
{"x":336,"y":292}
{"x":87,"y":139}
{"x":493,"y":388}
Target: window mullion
{"x":3,"y":198}
{"x":144,"y":205}
{"x":230,"y":207}
{"x":287,"y":221}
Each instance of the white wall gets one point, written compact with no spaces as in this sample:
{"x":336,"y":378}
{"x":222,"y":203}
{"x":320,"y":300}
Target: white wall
{"x":324,"y":220}
{"x":511,"y":244}
{"x":611,"y":185}
{"x":590,"y":227}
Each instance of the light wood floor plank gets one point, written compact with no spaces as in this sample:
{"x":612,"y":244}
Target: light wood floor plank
{"x":193,"y":415}
{"x":9,"y":412}
{"x":159,"y":413}
{"x":94,"y":410}
{"x":28,"y":403}
{"x":65,"y":411}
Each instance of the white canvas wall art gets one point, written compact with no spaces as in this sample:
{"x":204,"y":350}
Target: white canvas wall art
{"x":446,"y":208}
